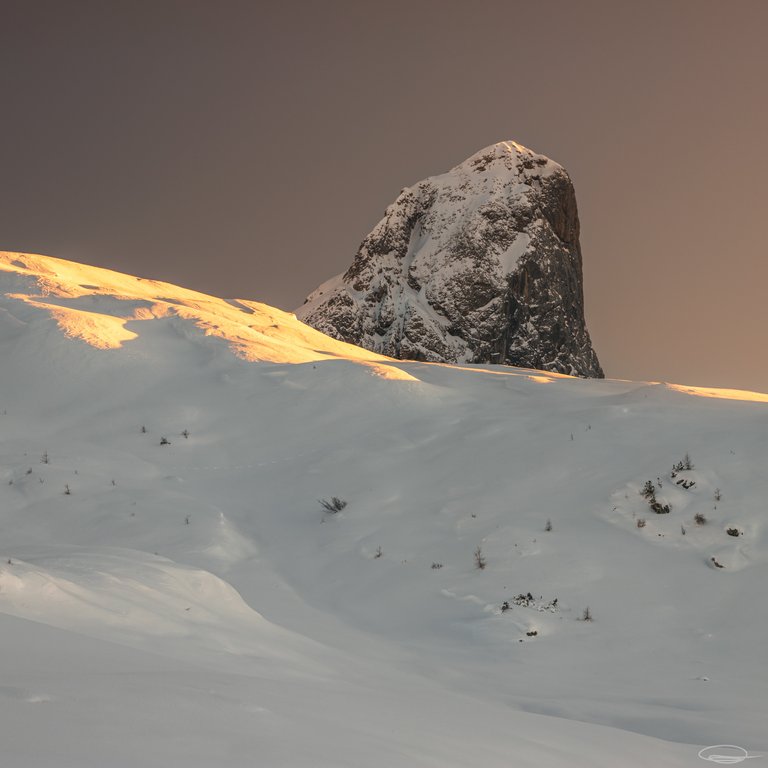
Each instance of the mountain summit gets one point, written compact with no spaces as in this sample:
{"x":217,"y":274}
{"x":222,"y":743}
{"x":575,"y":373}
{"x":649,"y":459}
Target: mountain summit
{"x":481,"y":264}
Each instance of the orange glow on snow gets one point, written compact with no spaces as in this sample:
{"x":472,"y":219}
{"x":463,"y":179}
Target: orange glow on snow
{"x":721,"y":394}
{"x":105,"y":309}
{"x":540,"y":377}
{"x":100,"y":331}
{"x":391,"y":372}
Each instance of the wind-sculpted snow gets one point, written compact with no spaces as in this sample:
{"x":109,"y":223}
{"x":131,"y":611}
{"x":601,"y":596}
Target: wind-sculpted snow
{"x":108,"y":309}
{"x":481,"y":264}
{"x":173,"y":591}
{"x":146,"y":601}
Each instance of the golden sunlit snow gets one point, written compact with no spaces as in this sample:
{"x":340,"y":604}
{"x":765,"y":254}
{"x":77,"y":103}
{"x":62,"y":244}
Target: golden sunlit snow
{"x":107,"y":309}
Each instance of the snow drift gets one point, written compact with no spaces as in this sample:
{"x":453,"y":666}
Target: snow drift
{"x":167,"y":571}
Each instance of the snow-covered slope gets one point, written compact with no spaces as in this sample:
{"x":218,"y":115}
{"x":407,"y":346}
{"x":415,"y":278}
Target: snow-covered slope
{"x":173,"y":594}
{"x":480,"y":264}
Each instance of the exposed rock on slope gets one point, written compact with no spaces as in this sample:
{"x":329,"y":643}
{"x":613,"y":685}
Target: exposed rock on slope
{"x":481,"y":264}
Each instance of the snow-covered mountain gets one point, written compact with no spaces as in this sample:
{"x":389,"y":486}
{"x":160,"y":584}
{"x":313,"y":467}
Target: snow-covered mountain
{"x":173,"y":594}
{"x":481,"y":264}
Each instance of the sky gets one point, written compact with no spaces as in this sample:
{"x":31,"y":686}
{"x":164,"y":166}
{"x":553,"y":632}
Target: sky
{"x":245,"y":149}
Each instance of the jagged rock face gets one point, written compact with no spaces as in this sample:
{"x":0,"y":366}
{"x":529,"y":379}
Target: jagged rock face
{"x":479,"y":265}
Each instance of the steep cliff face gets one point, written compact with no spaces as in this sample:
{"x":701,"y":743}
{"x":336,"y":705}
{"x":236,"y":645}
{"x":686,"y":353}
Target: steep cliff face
{"x":479,"y":265}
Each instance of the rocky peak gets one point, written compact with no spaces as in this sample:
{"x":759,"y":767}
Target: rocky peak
{"x":481,"y":264}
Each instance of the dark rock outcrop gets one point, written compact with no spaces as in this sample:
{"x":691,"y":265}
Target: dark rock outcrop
{"x":479,"y":265}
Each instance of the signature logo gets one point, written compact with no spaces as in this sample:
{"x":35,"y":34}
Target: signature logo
{"x":726,"y":754}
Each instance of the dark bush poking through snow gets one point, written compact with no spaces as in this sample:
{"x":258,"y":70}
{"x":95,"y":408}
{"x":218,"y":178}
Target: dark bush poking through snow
{"x":334,"y":505}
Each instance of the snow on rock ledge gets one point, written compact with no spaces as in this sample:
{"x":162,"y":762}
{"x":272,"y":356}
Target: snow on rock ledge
{"x":479,"y":265}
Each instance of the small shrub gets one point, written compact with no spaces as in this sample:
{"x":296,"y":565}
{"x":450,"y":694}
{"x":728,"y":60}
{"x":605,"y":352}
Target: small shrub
{"x":648,"y":491}
{"x":716,"y":564}
{"x":659,"y":508}
{"x":525,"y":600}
{"x":532,"y":633}
{"x":436,"y":566}
{"x":44,"y":458}
{"x":586,"y":615}
{"x":67,"y":492}
{"x":699,"y":519}
{"x":143,"y":430}
{"x":480,"y":561}
{"x":164,"y":441}
{"x":334,"y":505}
{"x":682,"y":529}
{"x":548,"y":525}
{"x":640,"y":522}
{"x":687,"y":463}
{"x":718,"y":494}
{"x":186,"y":434}
{"x":505,"y":606}
{"x":379,"y":552}
{"x":733,"y":531}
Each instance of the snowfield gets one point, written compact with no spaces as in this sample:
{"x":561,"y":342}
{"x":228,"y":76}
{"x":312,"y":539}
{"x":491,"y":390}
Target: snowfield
{"x":173,"y":594}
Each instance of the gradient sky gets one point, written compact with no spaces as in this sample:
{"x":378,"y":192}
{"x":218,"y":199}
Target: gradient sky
{"x":246,"y":148}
